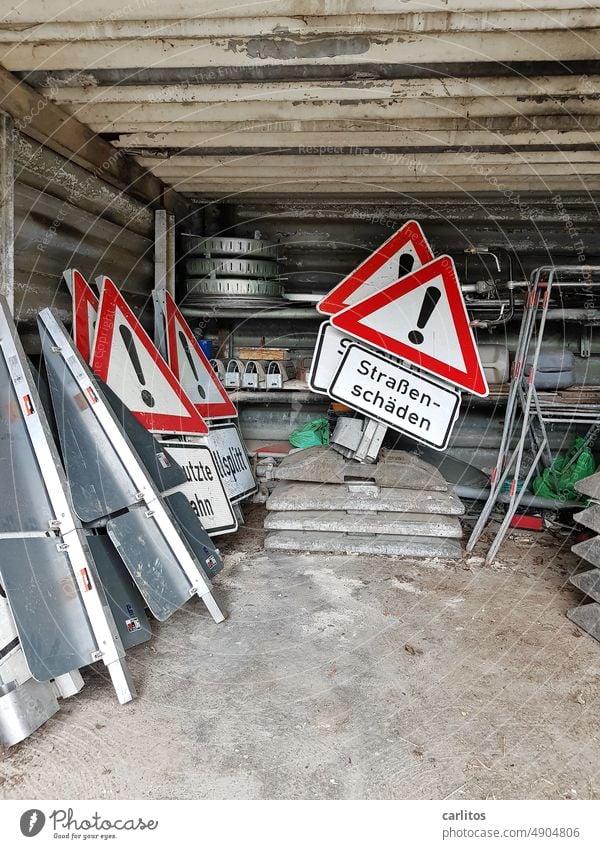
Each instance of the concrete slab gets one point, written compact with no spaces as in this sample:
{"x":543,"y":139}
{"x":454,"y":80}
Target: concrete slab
{"x":588,"y":582}
{"x":587,"y":617}
{"x":589,"y":549}
{"x":321,"y":464}
{"x":589,"y":518}
{"x":404,"y":524}
{"x":327,"y":496}
{"x":590,"y":486}
{"x":373,"y":544}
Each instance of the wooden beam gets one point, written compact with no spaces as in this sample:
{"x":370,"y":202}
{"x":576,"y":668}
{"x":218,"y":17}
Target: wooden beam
{"x":227,"y":189}
{"x":7,"y":209}
{"x":49,"y":125}
{"x":281,"y":51}
{"x":355,"y":159}
{"x":505,"y":123}
{"x":40,"y":11}
{"x":228,"y":26}
{"x":440,"y":107}
{"x":187,"y":141}
{"x":312,"y":92}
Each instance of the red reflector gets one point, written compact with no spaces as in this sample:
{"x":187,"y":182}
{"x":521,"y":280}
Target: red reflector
{"x":530,"y":523}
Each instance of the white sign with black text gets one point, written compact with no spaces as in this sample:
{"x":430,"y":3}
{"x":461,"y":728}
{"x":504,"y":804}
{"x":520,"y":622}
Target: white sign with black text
{"x":232,"y":461}
{"x":403,"y":399}
{"x":330,"y":348}
{"x":204,"y":488}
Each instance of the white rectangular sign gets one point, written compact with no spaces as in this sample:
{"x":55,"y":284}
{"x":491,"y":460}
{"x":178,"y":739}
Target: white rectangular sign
{"x":204,"y":490}
{"x":329,"y":352}
{"x":386,"y":391}
{"x":232,"y":461}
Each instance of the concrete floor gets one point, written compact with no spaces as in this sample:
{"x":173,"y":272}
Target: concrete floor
{"x":343,"y":677}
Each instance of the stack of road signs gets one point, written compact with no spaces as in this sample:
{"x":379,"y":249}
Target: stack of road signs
{"x":47,"y":572}
{"x":176,"y":394}
{"x":219,"y":473}
{"x":25,"y":704}
{"x":399,"y":314}
{"x":158,"y":537}
{"x":127,"y":360}
{"x":91,"y":538}
{"x":189,"y":364}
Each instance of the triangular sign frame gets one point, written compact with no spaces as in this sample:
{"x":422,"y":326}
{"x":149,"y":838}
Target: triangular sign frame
{"x":410,"y":237}
{"x":442,"y":269}
{"x":139,"y":390}
{"x":85,"y":311}
{"x":200,"y":375}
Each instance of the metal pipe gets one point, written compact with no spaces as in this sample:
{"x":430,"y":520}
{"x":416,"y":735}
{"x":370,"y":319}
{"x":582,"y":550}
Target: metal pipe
{"x":254,"y":313}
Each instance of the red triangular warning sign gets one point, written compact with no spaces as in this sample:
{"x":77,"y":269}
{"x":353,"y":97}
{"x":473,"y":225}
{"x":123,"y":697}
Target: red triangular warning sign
{"x":85,"y":311}
{"x":421,"y":318}
{"x":126,"y":359}
{"x":403,"y":252}
{"x":189,"y":364}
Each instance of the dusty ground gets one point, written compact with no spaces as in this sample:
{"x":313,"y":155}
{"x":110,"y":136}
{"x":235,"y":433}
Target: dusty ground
{"x":342,"y":677}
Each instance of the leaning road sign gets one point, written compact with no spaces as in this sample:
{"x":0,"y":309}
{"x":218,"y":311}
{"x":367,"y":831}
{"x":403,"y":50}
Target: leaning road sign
{"x":46,"y":570}
{"x":232,"y":461}
{"x":165,"y":549}
{"x":189,"y":364}
{"x":85,"y":311}
{"x":126,"y":359}
{"x":204,"y":488}
{"x":403,"y":252}
{"x":422,"y":319}
{"x":407,"y":401}
{"x":330,"y":347}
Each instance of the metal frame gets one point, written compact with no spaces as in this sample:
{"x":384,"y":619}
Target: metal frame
{"x":523,"y":402}
{"x":146,"y":491}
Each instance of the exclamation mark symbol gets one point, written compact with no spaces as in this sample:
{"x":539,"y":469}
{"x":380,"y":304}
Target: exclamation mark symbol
{"x":127,"y":337}
{"x":190,"y":359}
{"x":432,"y":296}
{"x":405,"y":264}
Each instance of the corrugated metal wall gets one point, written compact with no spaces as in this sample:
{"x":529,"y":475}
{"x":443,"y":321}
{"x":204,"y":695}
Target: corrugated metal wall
{"x":66,"y":217}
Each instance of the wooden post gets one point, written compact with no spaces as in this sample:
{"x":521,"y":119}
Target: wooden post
{"x":7,"y":210}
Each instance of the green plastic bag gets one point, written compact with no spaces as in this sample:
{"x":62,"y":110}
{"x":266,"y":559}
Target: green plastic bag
{"x":313,"y":433}
{"x":558,"y":480}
